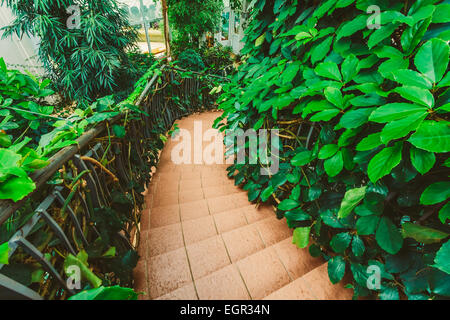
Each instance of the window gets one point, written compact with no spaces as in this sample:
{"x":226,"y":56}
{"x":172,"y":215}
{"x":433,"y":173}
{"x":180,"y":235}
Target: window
{"x":225,"y":26}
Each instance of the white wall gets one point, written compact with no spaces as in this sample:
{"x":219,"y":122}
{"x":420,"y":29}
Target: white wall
{"x":18,"y":53}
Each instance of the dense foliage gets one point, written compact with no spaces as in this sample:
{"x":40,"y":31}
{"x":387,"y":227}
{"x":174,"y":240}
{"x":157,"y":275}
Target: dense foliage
{"x":84,"y":55}
{"x":105,"y":259}
{"x":363,"y":115}
{"x":191,"y":60}
{"x":191,"y":19}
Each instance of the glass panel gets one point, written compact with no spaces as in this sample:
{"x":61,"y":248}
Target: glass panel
{"x":225,"y":25}
{"x":237,"y":22}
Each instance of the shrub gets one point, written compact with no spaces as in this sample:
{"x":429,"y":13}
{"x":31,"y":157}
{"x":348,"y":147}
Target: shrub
{"x":87,"y":61}
{"x":190,"y":19}
{"x":217,"y":58}
{"x":363,"y":117}
{"x":191,"y":60}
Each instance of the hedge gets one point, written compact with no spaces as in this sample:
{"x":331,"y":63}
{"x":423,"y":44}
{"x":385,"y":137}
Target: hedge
{"x":363,"y":114}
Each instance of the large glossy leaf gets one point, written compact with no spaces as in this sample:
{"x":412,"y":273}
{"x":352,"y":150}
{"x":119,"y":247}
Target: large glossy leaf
{"x":383,"y":163}
{"x":334,"y":165}
{"x":400,"y":128}
{"x":432,"y":59}
{"x":4,"y":253}
{"x":336,"y":269}
{"x":442,"y":260}
{"x":351,"y":199}
{"x":328,"y":70}
{"x":409,"y":77}
{"x":395,"y":111}
{"x":340,"y":242}
{"x":302,"y":158}
{"x":388,"y":236}
{"x":422,"y":160}
{"x":436,"y":193}
{"x":417,"y":95}
{"x":423,"y":234}
{"x":432,"y":136}
{"x":16,"y":188}
{"x":301,"y":237}
{"x":106,"y":293}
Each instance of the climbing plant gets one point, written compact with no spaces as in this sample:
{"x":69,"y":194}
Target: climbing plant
{"x":82,"y":46}
{"x":359,"y":91}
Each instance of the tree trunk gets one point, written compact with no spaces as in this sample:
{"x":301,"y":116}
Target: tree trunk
{"x":166,"y":28}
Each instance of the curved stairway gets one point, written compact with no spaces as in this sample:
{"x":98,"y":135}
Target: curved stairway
{"x":202,"y":239}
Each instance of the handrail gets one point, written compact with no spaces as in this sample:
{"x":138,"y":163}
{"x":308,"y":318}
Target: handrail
{"x":160,"y":111}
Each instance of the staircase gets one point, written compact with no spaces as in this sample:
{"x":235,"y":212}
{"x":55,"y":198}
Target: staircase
{"x":202,"y":239}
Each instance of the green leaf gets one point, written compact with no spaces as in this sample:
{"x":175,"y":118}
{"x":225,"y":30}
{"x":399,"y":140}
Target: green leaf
{"x":422,"y":234}
{"x":432,"y":136}
{"x":370,"y":142}
{"x":320,"y":51}
{"x":358,"y":246}
{"x":432,"y":59}
{"x":288,"y":204}
{"x":106,"y":293}
{"x":325,"y":115}
{"x":351,"y":199}
{"x":334,"y":165}
{"x":331,"y":220}
{"x":417,"y":95}
{"x":422,"y":160}
{"x":328,"y":151}
{"x":267,"y":193}
{"x":388,"y":236}
{"x":340,"y":242}
{"x":395,"y":111}
{"x":389,"y":293}
{"x":442,"y":13}
{"x":336,"y":269}
{"x":367,"y":225}
{"x":400,"y":128}
{"x":301,"y":237}
{"x":384,"y":161}
{"x":328,"y":70}
{"x":350,"y":68}
{"x":4,"y":253}
{"x":444,"y":213}
{"x":16,"y":188}
{"x":355,"y":118}
{"x":119,"y":131}
{"x":302,"y":158}
{"x":442,"y":259}
{"x":379,"y":35}
{"x":260,"y":40}
{"x":436,"y":193}
{"x":412,"y":78}
{"x":351,"y":27}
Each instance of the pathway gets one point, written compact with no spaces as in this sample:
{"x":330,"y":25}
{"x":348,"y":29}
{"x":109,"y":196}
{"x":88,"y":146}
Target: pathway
{"x":203,"y":239}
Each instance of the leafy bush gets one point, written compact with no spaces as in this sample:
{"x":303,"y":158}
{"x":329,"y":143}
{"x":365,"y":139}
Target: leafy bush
{"x":85,"y":62}
{"x":191,"y":60}
{"x":363,"y":117}
{"x":217,"y":58}
{"x":190,"y":19}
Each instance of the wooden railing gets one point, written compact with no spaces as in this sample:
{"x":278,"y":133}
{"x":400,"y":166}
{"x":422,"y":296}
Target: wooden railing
{"x":88,"y":200}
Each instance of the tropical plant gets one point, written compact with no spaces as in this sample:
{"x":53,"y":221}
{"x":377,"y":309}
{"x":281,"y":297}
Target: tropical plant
{"x":217,"y":58}
{"x":82,"y":44}
{"x":191,"y":60}
{"x":363,"y":116}
{"x":191,"y":19}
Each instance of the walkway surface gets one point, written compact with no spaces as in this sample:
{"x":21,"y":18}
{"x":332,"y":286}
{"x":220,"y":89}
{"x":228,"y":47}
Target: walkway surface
{"x":203,"y":239}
